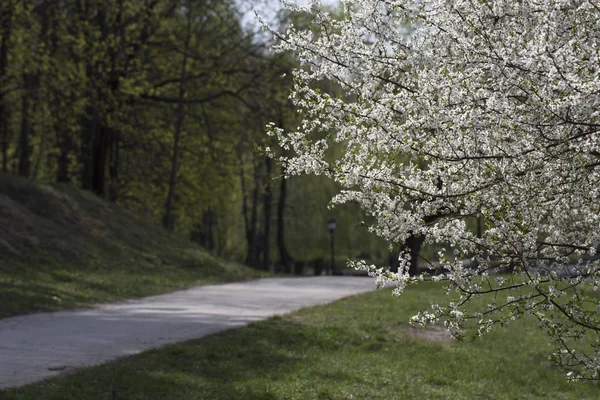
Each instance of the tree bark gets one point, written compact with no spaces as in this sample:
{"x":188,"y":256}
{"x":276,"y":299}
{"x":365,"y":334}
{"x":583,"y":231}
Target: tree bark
{"x":32,"y":85}
{"x":24,"y":168}
{"x":96,"y":135}
{"x":66,"y":147}
{"x":284,"y":256}
{"x":168,"y":220}
{"x":64,"y":137}
{"x":6,"y":20}
{"x":209,"y":222}
{"x":244,"y":199}
{"x":99,"y":160}
{"x":113,"y":168}
{"x":252,"y":233}
{"x":413,"y":245}
{"x":268,"y":202}
{"x":42,"y":149}
{"x":90,"y":133}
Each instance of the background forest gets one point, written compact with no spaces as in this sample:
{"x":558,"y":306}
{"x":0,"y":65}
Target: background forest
{"x":159,"y":106}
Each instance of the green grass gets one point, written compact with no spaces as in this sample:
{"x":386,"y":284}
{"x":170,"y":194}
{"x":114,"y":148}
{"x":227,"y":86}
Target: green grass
{"x":48,"y":286}
{"x":62,"y":248}
{"x":358,"y":348}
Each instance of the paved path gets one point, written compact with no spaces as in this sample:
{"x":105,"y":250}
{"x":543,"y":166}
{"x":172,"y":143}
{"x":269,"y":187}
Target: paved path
{"x":39,"y":346}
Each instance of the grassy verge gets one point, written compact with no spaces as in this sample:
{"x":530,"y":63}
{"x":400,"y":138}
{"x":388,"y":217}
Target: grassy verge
{"x":357,"y":348}
{"x":62,"y":248}
{"x":26,"y":287}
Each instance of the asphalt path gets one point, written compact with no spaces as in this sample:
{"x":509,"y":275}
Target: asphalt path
{"x":39,"y":346}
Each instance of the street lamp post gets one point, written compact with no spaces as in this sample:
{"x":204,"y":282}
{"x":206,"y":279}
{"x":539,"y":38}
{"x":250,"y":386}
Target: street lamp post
{"x":331,"y":228}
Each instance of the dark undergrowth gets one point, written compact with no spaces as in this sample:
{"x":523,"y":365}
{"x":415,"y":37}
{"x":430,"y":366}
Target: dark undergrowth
{"x":61,"y":247}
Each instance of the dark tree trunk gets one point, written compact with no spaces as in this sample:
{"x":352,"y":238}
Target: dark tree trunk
{"x":284,"y":256}
{"x":210,"y":232}
{"x":253,"y":251}
{"x":298,"y":267}
{"x":98,"y":137}
{"x":94,"y":154}
{"x":113,"y":168}
{"x":42,"y":148}
{"x":65,"y":144}
{"x":64,"y":137}
{"x":244,"y":200}
{"x":253,"y":254}
{"x":24,"y":168}
{"x":268,"y":202}
{"x":168,"y":220}
{"x":6,"y":21}
{"x":205,"y":233}
{"x":393,"y":261}
{"x":43,"y":13}
{"x":97,"y":131}
{"x":318,"y":266}
{"x":100,"y":161}
{"x":413,"y":245}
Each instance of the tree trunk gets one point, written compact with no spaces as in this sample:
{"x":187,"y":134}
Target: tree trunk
{"x":253,"y":254}
{"x":244,"y":199}
{"x":64,"y":137}
{"x":90,"y":133}
{"x":94,"y":154}
{"x":284,"y":256}
{"x":24,"y":168}
{"x":65,"y":144}
{"x":168,"y":220}
{"x":113,"y":168}
{"x":97,"y":130}
{"x":95,"y":135}
{"x":42,"y":149}
{"x":43,"y":13}
{"x":413,"y":245}
{"x":99,"y":161}
{"x":6,"y":20}
{"x":268,"y":202}
{"x":210,"y":234}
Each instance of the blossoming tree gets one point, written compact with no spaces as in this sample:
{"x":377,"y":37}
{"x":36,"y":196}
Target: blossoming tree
{"x":461,"y":109}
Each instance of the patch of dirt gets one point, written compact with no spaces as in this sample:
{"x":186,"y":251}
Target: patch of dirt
{"x":431,"y":333}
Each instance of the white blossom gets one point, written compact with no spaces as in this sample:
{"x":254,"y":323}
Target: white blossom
{"x":454,"y":109}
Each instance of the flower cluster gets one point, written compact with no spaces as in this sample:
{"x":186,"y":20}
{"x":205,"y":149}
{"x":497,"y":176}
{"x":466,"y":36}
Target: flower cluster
{"x":454,"y":111}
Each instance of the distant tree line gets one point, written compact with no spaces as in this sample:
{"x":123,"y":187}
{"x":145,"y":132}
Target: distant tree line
{"x":156,"y":105}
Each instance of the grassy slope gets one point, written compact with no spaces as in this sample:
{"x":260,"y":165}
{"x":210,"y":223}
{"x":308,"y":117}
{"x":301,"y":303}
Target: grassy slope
{"x":357,"y":348}
{"x":62,"y":248}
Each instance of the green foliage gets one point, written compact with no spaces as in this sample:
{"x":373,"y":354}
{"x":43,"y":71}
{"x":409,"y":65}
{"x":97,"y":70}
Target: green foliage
{"x":307,"y":221}
{"x":135,"y":100}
